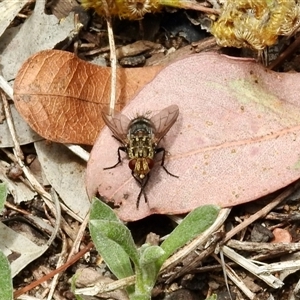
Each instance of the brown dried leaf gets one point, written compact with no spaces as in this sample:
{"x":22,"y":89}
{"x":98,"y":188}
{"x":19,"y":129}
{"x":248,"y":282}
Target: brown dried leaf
{"x":281,"y":236}
{"x":236,"y":139}
{"x":61,"y":96}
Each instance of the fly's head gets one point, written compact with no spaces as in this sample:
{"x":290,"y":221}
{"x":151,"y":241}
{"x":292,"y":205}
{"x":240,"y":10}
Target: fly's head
{"x":141,"y":166}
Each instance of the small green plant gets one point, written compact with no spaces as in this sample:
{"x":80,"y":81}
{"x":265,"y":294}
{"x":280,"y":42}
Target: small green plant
{"x":6,"y":290}
{"x":114,"y":242}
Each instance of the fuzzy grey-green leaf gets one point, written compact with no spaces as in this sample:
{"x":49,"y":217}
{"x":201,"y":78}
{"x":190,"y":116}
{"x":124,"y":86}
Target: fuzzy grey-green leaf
{"x":101,"y":211}
{"x":150,"y":254}
{"x":193,"y":224}
{"x":3,"y":194}
{"x":120,"y":234}
{"x":113,"y":254}
{"x":6,"y":290}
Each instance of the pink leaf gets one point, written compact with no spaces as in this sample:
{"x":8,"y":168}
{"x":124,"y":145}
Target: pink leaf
{"x":236,"y":138}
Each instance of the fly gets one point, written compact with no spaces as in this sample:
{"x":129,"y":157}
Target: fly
{"x":140,"y":138}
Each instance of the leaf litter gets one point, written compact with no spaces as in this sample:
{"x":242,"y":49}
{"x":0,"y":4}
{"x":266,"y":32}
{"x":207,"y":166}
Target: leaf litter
{"x":237,"y":124}
{"x":15,"y":244}
{"x":64,"y":171}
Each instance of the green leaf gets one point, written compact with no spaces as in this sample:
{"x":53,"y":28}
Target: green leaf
{"x":150,"y":254}
{"x":101,"y":211}
{"x":147,"y":274}
{"x":212,"y":297}
{"x":145,"y":281}
{"x":113,"y":241}
{"x":73,"y":287}
{"x":192,"y":225}
{"x":113,"y":254}
{"x":6,"y":290}
{"x":120,"y":234}
{"x":3,"y":195}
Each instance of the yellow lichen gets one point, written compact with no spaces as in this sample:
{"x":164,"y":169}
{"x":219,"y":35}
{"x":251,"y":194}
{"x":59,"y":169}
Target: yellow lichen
{"x":133,"y":9}
{"x":127,"y":9}
{"x":255,"y":23}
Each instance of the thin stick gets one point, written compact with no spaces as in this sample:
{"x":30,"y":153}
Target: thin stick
{"x":284,"y":55}
{"x":288,"y":191}
{"x":79,"y":237}
{"x":50,"y":275}
{"x":79,"y":151}
{"x":4,"y":85}
{"x":236,"y":279}
{"x":17,"y":149}
{"x":61,"y":262}
{"x":250,"y":266}
{"x":113,"y":57}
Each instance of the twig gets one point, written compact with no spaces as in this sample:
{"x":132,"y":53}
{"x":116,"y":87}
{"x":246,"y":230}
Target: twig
{"x":79,"y":151}
{"x":79,"y":236}
{"x":264,"y":211}
{"x":61,"y":261}
{"x":113,"y":57}
{"x":100,"y":288}
{"x":252,"y":268}
{"x":6,"y":87}
{"x":289,"y":51}
{"x":196,"y":259}
{"x":17,"y":149}
{"x":50,"y":275}
{"x":222,"y":263}
{"x":293,"y":264}
{"x":57,"y":215}
{"x":236,"y":280}
{"x":264,"y":247}
{"x":192,"y":5}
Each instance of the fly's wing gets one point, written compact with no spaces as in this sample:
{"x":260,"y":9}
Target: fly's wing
{"x":117,"y":123}
{"x":164,"y":120}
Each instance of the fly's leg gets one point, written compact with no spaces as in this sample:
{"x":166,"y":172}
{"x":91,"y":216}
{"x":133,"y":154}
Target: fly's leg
{"x":142,"y":182}
{"x":163,"y":160}
{"x":119,"y":158}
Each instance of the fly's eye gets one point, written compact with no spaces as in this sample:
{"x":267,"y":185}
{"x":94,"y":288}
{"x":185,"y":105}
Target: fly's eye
{"x":132,"y":163}
{"x":150,"y":163}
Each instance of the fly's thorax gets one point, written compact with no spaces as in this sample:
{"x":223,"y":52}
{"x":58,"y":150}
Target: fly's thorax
{"x":140,"y":124}
{"x":141,"y":145}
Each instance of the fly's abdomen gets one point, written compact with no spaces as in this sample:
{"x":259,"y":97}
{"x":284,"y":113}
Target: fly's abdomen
{"x":141,"y":153}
